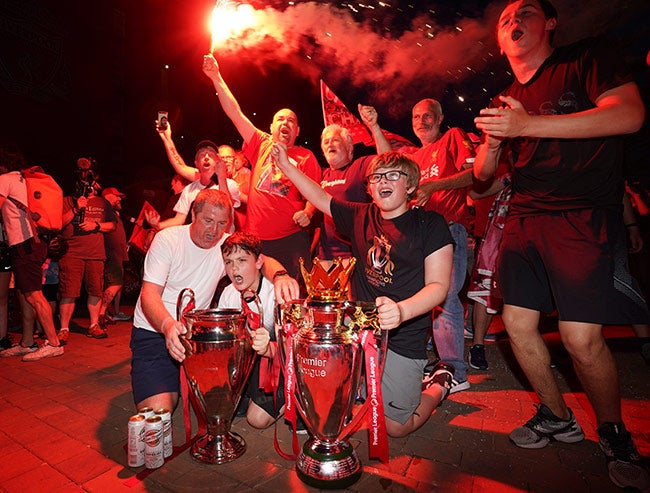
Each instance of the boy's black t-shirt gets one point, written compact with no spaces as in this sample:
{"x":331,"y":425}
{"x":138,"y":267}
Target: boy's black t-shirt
{"x":390,"y":257}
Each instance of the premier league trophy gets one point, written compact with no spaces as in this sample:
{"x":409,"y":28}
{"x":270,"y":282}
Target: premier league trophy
{"x":218,"y":361}
{"x":323,"y":341}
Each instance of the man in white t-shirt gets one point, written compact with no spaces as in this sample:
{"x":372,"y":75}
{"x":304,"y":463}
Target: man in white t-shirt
{"x":187,"y":256}
{"x":208,"y":163}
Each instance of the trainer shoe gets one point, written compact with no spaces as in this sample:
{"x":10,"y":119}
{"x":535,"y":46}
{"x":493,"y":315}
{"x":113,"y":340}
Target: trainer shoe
{"x":45,"y":351}
{"x":544,"y":427}
{"x":442,"y":374}
{"x":96,"y":332}
{"x":5,"y":343}
{"x":63,"y":336}
{"x":457,"y":386}
{"x":18,"y":350}
{"x":623,"y":461}
{"x":121,"y":317}
{"x":476,"y":358}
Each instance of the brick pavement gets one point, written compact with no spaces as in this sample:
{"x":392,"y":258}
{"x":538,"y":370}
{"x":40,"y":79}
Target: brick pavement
{"x":64,"y":424}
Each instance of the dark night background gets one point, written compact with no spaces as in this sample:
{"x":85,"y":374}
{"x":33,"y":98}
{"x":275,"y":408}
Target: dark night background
{"x":86,"y":78}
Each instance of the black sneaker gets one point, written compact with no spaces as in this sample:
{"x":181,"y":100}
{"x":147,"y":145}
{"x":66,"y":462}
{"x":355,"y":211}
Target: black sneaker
{"x":623,"y":460}
{"x":301,"y":428}
{"x":477,"y":358}
{"x":5,"y":343}
{"x":544,"y":427}
{"x":440,"y":374}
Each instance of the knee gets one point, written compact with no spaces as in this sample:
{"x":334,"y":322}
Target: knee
{"x":584,"y":348}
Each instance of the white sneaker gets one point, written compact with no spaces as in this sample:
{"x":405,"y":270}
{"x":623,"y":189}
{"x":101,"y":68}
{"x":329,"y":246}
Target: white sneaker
{"x":457,"y":386}
{"x":18,"y":350}
{"x":45,"y":351}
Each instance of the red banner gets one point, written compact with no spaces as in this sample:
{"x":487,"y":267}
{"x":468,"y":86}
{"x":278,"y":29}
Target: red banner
{"x":334,"y":111}
{"x":141,"y":238}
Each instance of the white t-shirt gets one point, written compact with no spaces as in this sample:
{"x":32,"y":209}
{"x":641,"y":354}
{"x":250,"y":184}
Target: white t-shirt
{"x":175,"y":262}
{"x":190,"y":192}
{"x":231,"y":298}
{"x":17,"y":225}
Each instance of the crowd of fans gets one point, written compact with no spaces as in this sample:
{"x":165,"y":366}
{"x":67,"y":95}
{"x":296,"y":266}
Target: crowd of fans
{"x":530,"y":220}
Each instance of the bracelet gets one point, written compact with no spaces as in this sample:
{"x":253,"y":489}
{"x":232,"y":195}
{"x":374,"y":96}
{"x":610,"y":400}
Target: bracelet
{"x":280,"y":273}
{"x":632,"y":225}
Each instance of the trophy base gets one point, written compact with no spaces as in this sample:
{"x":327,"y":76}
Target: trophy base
{"x":328,"y":465}
{"x":218,"y":449}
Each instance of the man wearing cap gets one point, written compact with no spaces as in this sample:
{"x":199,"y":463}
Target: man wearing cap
{"x":208,"y":163}
{"x":276,"y":211}
{"x":116,"y":255}
{"x":86,"y":220}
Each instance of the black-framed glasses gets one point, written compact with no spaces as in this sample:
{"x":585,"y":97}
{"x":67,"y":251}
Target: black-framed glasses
{"x":393,"y":175}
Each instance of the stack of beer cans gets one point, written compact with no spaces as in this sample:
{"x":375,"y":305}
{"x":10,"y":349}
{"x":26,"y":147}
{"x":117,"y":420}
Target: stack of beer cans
{"x":150,"y":438}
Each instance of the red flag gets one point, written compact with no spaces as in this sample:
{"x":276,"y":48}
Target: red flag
{"x":334,"y":111}
{"x":141,"y":238}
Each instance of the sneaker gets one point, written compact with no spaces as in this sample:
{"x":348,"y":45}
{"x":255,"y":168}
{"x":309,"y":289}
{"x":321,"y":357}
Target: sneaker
{"x":18,"y":350}
{"x":45,"y":351}
{"x":121,"y":317}
{"x":63,"y":336}
{"x":544,"y":427}
{"x":301,"y":428}
{"x":5,"y":343}
{"x":97,"y":332}
{"x":440,"y":373}
{"x":476,"y":358}
{"x":469,"y":334}
{"x":623,"y":460}
{"x":457,"y":386}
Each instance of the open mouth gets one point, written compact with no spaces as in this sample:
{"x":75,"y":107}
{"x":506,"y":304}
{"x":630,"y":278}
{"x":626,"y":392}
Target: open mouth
{"x":516,"y":34}
{"x":385,"y":192}
{"x":238,"y":279}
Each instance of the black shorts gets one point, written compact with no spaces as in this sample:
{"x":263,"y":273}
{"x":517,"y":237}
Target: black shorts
{"x":27,"y":261}
{"x":261,"y":398}
{"x":574,"y":262}
{"x":153,"y":370}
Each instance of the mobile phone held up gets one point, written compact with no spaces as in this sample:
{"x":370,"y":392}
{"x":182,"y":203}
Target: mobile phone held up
{"x":163,"y":117}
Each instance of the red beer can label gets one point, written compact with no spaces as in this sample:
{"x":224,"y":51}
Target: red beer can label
{"x":153,"y":439}
{"x":166,"y":417}
{"x":136,"y":441}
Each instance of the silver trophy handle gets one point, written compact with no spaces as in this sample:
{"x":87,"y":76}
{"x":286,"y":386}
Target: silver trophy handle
{"x":248,"y":295}
{"x":179,"y":301}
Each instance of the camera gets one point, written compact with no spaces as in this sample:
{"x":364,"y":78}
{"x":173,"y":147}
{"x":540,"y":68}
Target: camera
{"x":163,"y":118}
{"x":86,"y":176}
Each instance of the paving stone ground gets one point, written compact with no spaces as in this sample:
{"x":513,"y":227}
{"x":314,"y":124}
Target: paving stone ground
{"x":64,"y":428}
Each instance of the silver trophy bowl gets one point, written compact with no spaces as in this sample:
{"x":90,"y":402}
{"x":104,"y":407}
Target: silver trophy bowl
{"x":218,"y":361}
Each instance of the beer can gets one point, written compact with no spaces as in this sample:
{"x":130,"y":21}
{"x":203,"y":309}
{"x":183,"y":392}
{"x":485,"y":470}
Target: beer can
{"x":153,"y":438}
{"x":147,"y":412}
{"x":136,"y":441}
{"x":166,"y":416}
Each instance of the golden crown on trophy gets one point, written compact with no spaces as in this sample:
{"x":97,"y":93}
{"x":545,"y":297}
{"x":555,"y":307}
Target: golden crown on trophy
{"x":328,"y":285}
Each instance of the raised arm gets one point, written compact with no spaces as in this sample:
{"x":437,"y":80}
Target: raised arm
{"x":188,"y":172}
{"x":369,"y":117}
{"x":228,"y":102}
{"x":309,"y":189}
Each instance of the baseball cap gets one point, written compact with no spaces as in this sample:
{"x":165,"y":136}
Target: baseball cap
{"x":112,"y":191}
{"x":206,"y":143}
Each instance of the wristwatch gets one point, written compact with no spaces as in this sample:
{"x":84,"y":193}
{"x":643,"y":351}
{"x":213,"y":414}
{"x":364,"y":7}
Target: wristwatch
{"x":280,"y":273}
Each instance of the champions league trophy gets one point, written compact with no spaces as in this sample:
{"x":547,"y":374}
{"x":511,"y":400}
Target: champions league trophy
{"x":218,"y":361}
{"x":323,"y":341}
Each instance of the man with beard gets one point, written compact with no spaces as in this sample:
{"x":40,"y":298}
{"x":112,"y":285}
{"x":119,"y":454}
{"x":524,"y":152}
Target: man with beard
{"x":276,"y":211}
